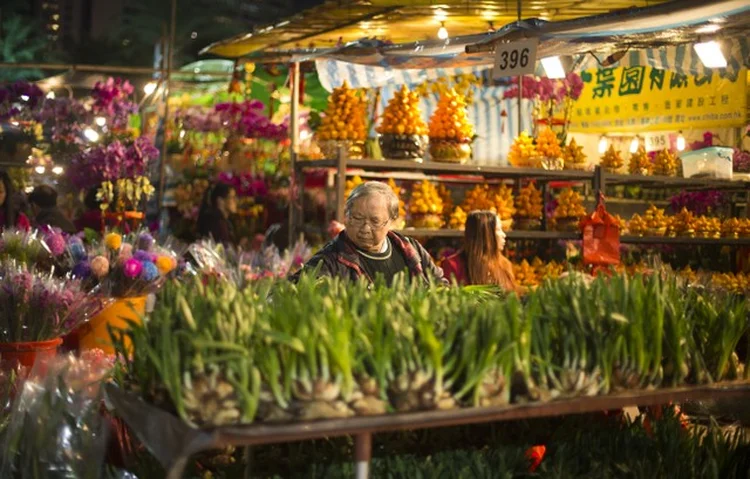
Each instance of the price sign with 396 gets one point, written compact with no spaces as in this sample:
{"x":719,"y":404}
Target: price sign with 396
{"x":516,"y":58}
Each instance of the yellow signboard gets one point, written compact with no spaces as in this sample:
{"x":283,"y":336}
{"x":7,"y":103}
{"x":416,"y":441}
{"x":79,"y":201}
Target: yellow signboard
{"x":638,"y":99}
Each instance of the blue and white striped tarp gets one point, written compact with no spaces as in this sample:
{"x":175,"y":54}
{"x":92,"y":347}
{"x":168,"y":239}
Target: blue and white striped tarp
{"x":333,"y":73}
{"x":680,"y":58}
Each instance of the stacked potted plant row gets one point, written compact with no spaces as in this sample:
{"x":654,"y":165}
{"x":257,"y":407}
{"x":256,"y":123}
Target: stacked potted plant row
{"x":214,"y":353}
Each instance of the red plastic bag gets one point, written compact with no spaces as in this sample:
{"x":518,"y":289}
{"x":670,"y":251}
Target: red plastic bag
{"x":601,"y":238}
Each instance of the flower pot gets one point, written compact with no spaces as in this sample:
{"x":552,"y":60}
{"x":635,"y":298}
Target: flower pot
{"x":95,"y":335}
{"x":528,"y":224}
{"x":330,"y":148}
{"x":426,"y":221}
{"x":568,"y":224}
{"x":403,"y":147}
{"x":28,"y":352}
{"x":449,"y":152}
{"x":552,"y":164}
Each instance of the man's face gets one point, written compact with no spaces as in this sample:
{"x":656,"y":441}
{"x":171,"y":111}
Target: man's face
{"x":368,"y":222}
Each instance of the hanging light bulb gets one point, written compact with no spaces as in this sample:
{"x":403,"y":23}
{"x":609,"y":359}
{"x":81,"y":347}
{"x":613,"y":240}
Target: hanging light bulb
{"x":634,"y":144}
{"x":58,"y":170}
{"x":443,"y":32}
{"x":603,"y":145}
{"x":149,"y":88}
{"x":680,"y":142}
{"x":100,"y":121}
{"x":91,"y":134}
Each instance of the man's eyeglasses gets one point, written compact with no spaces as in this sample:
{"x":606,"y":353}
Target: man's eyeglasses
{"x":374,"y":224}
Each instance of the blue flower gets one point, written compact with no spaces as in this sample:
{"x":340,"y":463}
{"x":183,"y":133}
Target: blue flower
{"x":150,"y":272}
{"x":82,"y":270}
{"x":78,"y":251}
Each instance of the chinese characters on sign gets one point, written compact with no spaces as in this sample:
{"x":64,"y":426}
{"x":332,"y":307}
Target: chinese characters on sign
{"x":643,"y":99}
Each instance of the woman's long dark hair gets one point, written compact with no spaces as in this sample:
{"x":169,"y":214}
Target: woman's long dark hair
{"x":208,"y":205}
{"x":9,"y":207}
{"x":485,"y":263}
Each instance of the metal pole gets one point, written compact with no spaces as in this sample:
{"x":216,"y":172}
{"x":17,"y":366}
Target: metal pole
{"x":520,"y":79}
{"x":294,"y":132}
{"x":165,"y":141}
{"x":362,"y":454}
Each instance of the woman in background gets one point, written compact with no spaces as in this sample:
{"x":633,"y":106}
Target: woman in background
{"x":219,"y":203}
{"x":481,"y":261}
{"x":10,"y":213}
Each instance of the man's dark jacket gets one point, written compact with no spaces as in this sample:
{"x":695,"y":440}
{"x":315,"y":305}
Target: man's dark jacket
{"x":340,"y":258}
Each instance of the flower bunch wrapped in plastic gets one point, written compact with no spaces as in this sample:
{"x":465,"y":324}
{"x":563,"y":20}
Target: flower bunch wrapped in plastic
{"x":39,"y":307}
{"x":248,"y":120}
{"x":123,"y":266}
{"x":55,"y":428}
{"x":268,"y":262}
{"x":112,"y":101}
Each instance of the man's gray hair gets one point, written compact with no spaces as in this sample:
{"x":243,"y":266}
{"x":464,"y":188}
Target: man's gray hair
{"x":374,"y":188}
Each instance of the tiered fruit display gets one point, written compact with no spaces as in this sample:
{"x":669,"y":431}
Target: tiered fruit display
{"x":573,"y":156}
{"x":457,"y":220}
{"x":707,"y":227}
{"x":736,"y":228}
{"x":548,"y":146}
{"x":653,"y":223}
{"x":352,"y":183}
{"x":529,"y":203}
{"x":525,"y":275}
{"x":550,"y":270}
{"x":451,"y":133}
{"x":612,"y":160}
{"x":569,"y":210}
{"x":477,"y":199}
{"x":684,"y":223}
{"x":502,"y":198}
{"x":426,"y":206}
{"x":640,"y":163}
{"x":345,"y":120}
{"x":666,"y":163}
{"x":735,"y":283}
{"x":529,"y":208}
{"x":447,"y":196}
{"x":523,"y":152}
{"x":403,"y":132}
{"x":401,"y":222}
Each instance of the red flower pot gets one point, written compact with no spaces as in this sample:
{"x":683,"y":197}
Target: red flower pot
{"x":27,"y":353}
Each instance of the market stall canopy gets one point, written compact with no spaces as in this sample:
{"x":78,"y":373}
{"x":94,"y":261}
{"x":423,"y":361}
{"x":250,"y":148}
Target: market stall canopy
{"x":639,"y":37}
{"x":616,"y":33}
{"x":336,"y":22}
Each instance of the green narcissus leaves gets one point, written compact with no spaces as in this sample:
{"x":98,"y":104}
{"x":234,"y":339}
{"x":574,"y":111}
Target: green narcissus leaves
{"x":274,"y":347}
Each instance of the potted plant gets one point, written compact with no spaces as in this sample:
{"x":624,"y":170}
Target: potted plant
{"x":36,"y":310}
{"x":125,"y":269}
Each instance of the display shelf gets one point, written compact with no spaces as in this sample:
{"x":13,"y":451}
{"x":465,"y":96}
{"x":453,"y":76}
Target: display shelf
{"x":437,"y":168}
{"x":675,"y":182}
{"x":685,"y":241}
{"x":511,"y":235}
{"x":173,"y":442}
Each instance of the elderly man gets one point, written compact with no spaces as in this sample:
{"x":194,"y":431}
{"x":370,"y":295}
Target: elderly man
{"x":368,"y":247}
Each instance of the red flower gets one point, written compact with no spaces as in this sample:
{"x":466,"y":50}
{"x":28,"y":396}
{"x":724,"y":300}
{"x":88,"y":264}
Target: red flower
{"x":535,"y":455}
